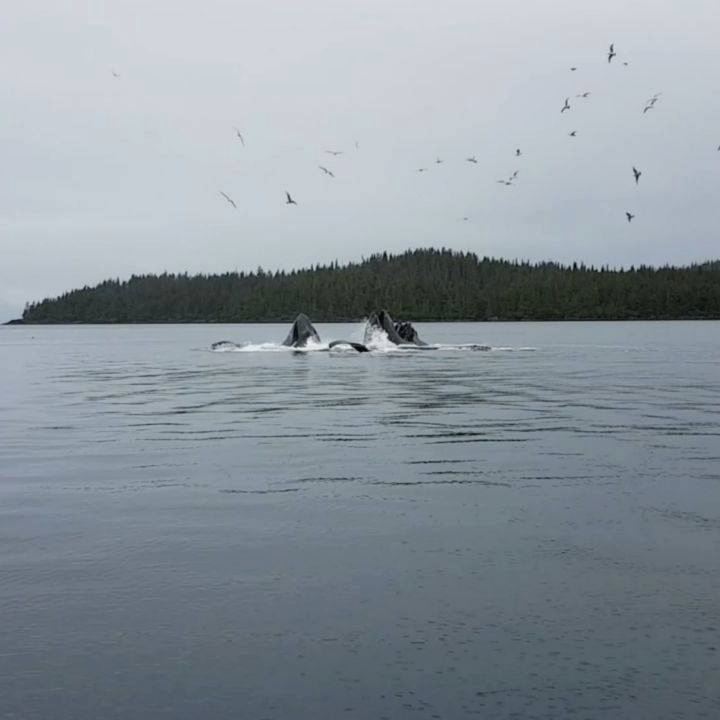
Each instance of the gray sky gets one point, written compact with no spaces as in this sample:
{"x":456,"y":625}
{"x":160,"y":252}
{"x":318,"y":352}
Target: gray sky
{"x":105,"y":177}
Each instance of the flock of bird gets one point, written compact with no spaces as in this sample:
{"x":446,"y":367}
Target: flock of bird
{"x":649,"y":105}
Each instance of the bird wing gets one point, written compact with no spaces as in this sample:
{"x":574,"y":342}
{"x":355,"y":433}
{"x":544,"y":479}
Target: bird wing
{"x":229,"y":199}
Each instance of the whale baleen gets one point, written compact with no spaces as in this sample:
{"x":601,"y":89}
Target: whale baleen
{"x":301,"y":331}
{"x":400,"y":333}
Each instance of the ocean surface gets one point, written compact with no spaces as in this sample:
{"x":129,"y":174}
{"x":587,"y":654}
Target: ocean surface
{"x":529,"y":531}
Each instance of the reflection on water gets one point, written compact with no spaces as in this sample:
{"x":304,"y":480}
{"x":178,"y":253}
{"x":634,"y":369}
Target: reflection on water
{"x":442,"y":534}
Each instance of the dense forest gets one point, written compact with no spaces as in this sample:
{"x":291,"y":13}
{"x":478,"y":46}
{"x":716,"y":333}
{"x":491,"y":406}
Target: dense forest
{"x":422,"y":284}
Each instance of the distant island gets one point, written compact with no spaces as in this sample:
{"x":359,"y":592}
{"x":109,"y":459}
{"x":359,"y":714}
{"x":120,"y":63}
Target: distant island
{"x":424,"y":284}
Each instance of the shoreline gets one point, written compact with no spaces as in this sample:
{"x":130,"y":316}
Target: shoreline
{"x":22,"y":323}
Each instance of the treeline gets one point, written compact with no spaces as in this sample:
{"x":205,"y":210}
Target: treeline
{"x":422,"y":284}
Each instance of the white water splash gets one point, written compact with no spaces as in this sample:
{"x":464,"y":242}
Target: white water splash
{"x":377,"y":343}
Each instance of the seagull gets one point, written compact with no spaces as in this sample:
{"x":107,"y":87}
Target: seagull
{"x":566,"y":106}
{"x":472,"y":159}
{"x":583,"y":95}
{"x":289,"y":200}
{"x":611,"y":53}
{"x":229,"y":199}
{"x":326,"y":171}
{"x":637,"y":173}
{"x":438,"y":161}
{"x":518,"y":153}
{"x":626,"y":64}
{"x":514,"y":175}
{"x":357,"y":145}
{"x":465,"y":219}
{"x":239,"y":134}
{"x":650,"y":104}
{"x":629,"y":216}
{"x":422,"y":169}
{"x":573,"y":69}
{"x":505,"y":182}
{"x":115,"y":74}
{"x":334,"y":152}
{"x":573,"y":133}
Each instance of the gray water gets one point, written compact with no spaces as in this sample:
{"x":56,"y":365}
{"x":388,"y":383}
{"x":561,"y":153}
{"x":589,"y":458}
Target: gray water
{"x":529,"y":532}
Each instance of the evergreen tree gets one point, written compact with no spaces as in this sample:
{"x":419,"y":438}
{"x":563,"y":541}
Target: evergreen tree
{"x":424,"y":284}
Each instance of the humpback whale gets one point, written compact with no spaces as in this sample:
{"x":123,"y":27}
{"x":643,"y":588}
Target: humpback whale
{"x":355,"y":346}
{"x":399,"y":333}
{"x":301,"y":331}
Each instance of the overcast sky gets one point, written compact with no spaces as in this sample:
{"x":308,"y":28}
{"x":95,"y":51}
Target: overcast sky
{"x":106,"y":176}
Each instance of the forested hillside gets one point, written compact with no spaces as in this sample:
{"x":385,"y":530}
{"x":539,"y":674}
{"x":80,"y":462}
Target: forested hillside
{"x":423,"y":284}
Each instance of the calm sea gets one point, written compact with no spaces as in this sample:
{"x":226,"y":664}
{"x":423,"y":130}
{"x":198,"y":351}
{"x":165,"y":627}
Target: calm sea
{"x":527,"y":532}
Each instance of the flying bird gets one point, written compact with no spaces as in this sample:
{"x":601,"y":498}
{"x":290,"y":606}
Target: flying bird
{"x":438,"y":161}
{"x":518,"y":153}
{"x":115,"y":74}
{"x":239,"y":134}
{"x":611,"y":52}
{"x":566,"y":106}
{"x":326,"y":171}
{"x":650,"y":104}
{"x":573,"y":69}
{"x":573,"y":133}
{"x":357,"y":145}
{"x":229,"y":199}
{"x":472,"y":159}
{"x":289,"y":200}
{"x":583,"y":95}
{"x":422,"y":169}
{"x":629,"y":216}
{"x":637,"y":173}
{"x":509,"y":181}
{"x":334,"y":152}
